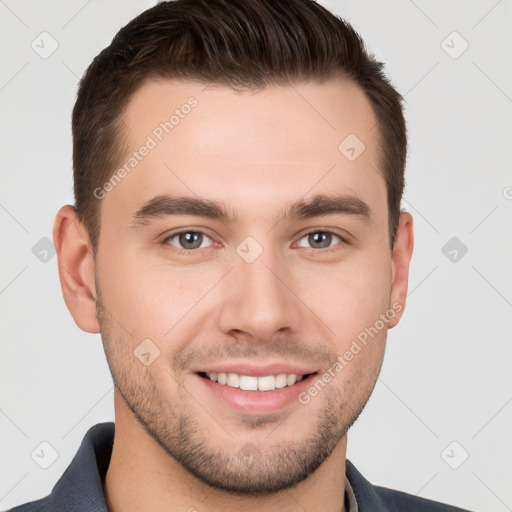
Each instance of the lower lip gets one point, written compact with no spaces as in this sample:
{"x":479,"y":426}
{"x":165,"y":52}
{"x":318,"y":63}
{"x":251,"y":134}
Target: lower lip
{"x":258,"y":402}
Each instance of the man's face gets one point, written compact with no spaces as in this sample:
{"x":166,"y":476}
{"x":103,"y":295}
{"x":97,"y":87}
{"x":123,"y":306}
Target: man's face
{"x":261,"y":294}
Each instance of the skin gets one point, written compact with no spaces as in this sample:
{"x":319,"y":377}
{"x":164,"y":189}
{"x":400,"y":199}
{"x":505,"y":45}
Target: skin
{"x":254,"y":152}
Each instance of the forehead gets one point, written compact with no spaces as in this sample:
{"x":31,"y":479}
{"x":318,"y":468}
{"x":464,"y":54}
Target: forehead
{"x":249,"y":148}
{"x":326,"y":112}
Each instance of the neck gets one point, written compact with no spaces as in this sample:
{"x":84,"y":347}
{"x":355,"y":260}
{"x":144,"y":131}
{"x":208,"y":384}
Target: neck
{"x":143,"y":476}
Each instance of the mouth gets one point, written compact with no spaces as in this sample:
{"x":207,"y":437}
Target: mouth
{"x":255,"y":395}
{"x":255,"y":383}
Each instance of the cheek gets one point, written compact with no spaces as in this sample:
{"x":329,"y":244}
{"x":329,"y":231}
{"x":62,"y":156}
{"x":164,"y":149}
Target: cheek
{"x":348,"y":297}
{"x":148,"y":297}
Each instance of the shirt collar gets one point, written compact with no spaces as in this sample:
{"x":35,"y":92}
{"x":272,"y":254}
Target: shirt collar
{"x":350,"y":498}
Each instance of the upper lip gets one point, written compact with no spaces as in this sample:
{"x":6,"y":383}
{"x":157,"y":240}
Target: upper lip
{"x":257,"y":371}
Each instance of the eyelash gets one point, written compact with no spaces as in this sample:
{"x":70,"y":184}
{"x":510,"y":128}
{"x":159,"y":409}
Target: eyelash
{"x":190,"y":252}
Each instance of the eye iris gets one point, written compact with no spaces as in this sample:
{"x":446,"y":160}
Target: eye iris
{"x":320,"y":238}
{"x":190,"y":237}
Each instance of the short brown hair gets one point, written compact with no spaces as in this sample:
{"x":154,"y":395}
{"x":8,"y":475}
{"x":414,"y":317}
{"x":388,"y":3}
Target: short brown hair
{"x":243,"y":44}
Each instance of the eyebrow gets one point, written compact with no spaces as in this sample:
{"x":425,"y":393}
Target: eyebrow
{"x":165,"y":205}
{"x":320,"y":205}
{"x":323,"y":205}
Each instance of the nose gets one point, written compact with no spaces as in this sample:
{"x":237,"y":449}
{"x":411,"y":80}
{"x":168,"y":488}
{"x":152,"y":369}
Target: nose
{"x":258,"y":300}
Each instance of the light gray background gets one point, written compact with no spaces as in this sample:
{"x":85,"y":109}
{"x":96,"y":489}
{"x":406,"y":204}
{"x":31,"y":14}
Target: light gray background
{"x":447,"y":370}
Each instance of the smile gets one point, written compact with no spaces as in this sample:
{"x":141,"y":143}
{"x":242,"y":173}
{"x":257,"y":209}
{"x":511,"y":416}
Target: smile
{"x":253,"y":383}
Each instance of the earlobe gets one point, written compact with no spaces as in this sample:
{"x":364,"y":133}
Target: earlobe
{"x":401,"y":259}
{"x":76,"y":268}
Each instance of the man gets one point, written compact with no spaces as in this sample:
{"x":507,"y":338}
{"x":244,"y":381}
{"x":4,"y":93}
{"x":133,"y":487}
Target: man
{"x":238,"y":242}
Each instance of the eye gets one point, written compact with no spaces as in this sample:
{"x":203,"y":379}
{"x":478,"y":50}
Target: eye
{"x":188,"y":240}
{"x":320,"y":239}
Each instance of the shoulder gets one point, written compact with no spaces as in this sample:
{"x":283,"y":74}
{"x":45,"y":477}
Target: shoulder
{"x":399,"y":501}
{"x":80,"y":487}
{"x":371,"y":497}
{"x":43,"y":504}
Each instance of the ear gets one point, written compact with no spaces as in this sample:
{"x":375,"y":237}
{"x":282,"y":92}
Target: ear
{"x":76,"y":268}
{"x":400,"y":261}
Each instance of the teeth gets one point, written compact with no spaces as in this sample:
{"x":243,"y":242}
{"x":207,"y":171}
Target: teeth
{"x":251,"y":383}
{"x":281,"y":381}
{"x":233,"y":380}
{"x":291,"y":379}
{"x":248,"y":383}
{"x":267,"y":383}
